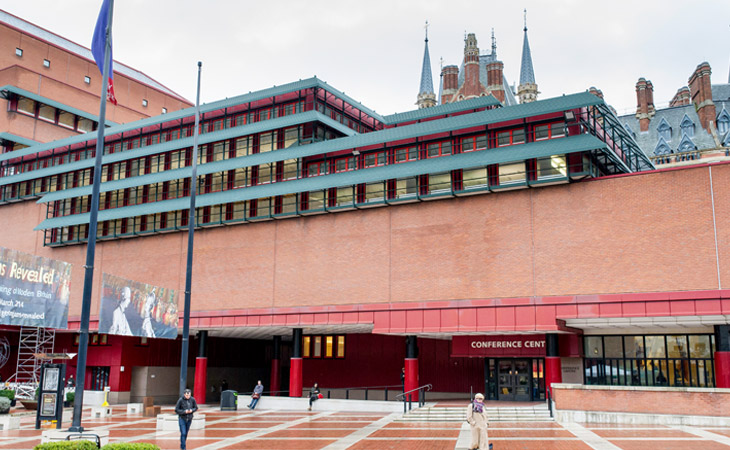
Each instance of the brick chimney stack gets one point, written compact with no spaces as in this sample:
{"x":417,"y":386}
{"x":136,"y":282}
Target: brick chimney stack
{"x":494,"y":80}
{"x":701,"y":95}
{"x":644,"y":103}
{"x":681,"y":98}
{"x":451,"y":83}
{"x":595,"y":91}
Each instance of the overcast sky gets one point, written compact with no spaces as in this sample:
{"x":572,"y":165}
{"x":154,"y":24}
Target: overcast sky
{"x":373,"y":50}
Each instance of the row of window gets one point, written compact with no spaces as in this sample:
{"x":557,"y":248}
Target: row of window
{"x":29,"y":107}
{"x":323,"y":346}
{"x":46,"y":113}
{"x":385,"y":192}
{"x":650,"y":360}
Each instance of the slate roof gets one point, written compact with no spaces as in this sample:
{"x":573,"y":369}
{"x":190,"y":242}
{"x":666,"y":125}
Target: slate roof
{"x":649,"y":141}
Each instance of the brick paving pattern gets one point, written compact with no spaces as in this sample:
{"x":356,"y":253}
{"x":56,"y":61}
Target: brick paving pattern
{"x":277,"y":430}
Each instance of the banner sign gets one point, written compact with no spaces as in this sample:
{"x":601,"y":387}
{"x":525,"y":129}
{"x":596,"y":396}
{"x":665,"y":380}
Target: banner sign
{"x":34,"y":291}
{"x":131,"y":308}
{"x":498,"y":346}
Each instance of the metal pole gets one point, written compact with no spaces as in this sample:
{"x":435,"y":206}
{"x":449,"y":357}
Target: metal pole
{"x":191,"y":233}
{"x":91,"y":243}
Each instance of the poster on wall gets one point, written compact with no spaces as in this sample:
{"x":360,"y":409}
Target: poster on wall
{"x":34,"y":291}
{"x":132,"y":308}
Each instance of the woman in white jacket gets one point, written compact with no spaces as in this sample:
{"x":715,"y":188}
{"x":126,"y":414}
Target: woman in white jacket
{"x":476,"y":415}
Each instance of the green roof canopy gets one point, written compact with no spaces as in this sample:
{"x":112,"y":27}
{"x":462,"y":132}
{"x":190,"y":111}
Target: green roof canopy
{"x":7,"y":89}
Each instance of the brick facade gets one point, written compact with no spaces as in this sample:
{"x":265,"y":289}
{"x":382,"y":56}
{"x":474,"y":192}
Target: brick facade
{"x":644,"y":400}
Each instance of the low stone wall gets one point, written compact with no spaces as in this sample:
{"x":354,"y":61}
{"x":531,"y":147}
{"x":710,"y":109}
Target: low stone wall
{"x":641,"y":404}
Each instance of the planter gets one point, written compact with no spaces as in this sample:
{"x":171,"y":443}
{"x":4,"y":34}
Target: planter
{"x":30,"y":404}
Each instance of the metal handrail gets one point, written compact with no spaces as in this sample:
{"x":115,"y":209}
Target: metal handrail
{"x":429,"y":386}
{"x":408,"y":397}
{"x":550,"y":403}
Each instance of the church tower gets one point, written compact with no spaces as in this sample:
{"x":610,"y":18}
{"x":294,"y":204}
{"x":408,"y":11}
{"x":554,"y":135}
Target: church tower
{"x":527,"y":89}
{"x":426,"y":96}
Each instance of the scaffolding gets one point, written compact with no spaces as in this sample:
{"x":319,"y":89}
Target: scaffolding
{"x":28,"y":370}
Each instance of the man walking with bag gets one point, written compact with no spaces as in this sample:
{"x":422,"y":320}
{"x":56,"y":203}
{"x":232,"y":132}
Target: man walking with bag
{"x":185,"y":408}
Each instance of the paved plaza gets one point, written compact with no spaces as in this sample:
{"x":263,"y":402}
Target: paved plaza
{"x":303,"y":430}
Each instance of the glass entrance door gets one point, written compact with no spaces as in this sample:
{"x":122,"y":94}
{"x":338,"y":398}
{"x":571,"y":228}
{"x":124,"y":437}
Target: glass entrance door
{"x":513,"y":376}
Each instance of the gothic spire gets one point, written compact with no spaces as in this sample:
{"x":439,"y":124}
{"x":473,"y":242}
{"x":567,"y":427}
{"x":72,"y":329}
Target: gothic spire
{"x":426,"y":96}
{"x":527,"y":75}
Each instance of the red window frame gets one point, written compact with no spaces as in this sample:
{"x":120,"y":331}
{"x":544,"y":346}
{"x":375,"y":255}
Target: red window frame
{"x":436,"y":149}
{"x":380,"y":158}
{"x":349,"y":161}
{"x":411,"y":154}
{"x":511,"y":137}
{"x":550,"y":130}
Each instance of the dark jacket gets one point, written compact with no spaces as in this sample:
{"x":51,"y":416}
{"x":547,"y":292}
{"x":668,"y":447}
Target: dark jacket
{"x":314,"y":393}
{"x":184,"y":404}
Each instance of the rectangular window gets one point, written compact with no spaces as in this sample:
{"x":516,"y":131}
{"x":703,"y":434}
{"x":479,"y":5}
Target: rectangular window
{"x":438,"y":183}
{"x":267,"y":142}
{"x":317,"y":351}
{"x":345,"y":164}
{"x":542,"y":132}
{"x":474,"y":178}
{"x":407,"y":187}
{"x":66,"y":119}
{"x":510,"y":137}
{"x":439,"y":149}
{"x":329,"y":346}
{"x":85,"y":125}
{"x":375,"y":159}
{"x":47,"y":113}
{"x":306,"y":344}
{"x":552,"y":167}
{"x":375,"y":192}
{"x":290,"y":169}
{"x":26,"y":106}
{"x":345,"y":196}
{"x":316,"y":168}
{"x":406,"y":154}
{"x":511,"y":173}
{"x":340,"y":346}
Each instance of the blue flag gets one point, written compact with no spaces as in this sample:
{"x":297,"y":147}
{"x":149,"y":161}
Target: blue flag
{"x":98,"y":43}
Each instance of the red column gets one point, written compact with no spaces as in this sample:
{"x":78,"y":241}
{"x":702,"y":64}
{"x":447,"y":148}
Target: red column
{"x":722,"y":369}
{"x":411,"y":382}
{"x":275,"y":381}
{"x":201,"y":379}
{"x":553,"y":372}
{"x":295,"y":378}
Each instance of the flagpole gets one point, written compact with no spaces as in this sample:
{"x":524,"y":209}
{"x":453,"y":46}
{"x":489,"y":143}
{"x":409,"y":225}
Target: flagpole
{"x":91,"y":243}
{"x":191,"y":235}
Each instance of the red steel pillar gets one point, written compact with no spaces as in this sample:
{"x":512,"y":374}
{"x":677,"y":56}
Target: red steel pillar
{"x":553,"y":370}
{"x":201,"y":368}
{"x":275,"y":380}
{"x":722,"y":356}
{"x":411,"y":365}
{"x":295,"y":371}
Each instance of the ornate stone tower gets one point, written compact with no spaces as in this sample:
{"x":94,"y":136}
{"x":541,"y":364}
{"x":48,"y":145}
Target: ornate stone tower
{"x":426,"y":96}
{"x":527,"y":89}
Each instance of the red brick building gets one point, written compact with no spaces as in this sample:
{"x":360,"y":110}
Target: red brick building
{"x":483,"y":246}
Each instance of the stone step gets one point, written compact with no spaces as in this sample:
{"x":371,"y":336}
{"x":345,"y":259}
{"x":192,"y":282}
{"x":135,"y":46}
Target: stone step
{"x":495,"y":414}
